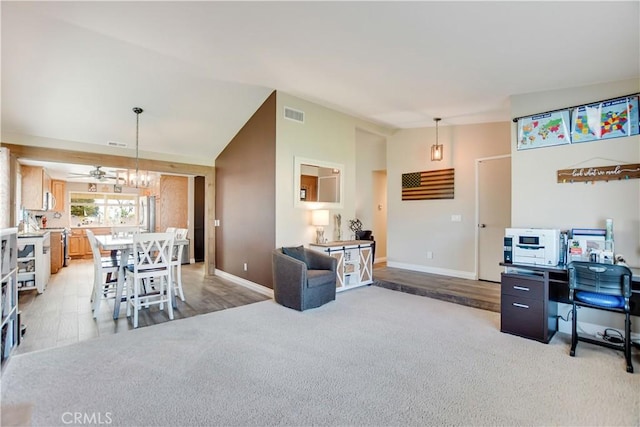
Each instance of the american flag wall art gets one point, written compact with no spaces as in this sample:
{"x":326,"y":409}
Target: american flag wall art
{"x":428,"y":185}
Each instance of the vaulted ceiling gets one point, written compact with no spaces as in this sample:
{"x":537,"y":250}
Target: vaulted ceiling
{"x":73,"y":71}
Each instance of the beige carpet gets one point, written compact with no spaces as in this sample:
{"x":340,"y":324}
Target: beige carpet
{"x":372,"y":357}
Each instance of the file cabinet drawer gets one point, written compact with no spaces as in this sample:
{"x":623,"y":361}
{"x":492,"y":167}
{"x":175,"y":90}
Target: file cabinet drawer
{"x":523,"y":316}
{"x":523,"y":286}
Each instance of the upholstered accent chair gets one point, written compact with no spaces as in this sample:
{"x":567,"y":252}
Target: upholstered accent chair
{"x":303,"y":278}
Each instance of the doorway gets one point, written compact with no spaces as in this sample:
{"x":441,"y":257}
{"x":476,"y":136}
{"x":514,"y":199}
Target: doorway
{"x":198,"y":218}
{"x":493,"y":207}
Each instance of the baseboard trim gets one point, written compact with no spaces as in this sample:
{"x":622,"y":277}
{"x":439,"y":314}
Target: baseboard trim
{"x":246,"y":283}
{"x":433,"y":270}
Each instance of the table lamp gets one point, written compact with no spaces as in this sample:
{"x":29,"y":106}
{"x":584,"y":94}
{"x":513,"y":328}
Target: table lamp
{"x":320,"y":218}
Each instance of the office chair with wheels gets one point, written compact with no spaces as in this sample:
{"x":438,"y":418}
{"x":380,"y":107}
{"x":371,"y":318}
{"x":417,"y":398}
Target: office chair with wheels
{"x":603,"y":287}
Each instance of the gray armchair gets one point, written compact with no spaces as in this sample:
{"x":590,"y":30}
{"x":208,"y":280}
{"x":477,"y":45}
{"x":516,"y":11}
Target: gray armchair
{"x":303,"y":279}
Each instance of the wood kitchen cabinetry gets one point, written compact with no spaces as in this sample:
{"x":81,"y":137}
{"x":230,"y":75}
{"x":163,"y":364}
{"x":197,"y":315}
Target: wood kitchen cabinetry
{"x":35,"y":184}
{"x":57,"y":251}
{"x":59,"y":190}
{"x":79,"y":246}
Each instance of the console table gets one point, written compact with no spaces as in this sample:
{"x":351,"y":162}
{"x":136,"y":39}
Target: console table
{"x":529,"y":299}
{"x":355,"y":261}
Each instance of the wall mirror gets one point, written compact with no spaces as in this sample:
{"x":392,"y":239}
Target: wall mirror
{"x":318,"y":184}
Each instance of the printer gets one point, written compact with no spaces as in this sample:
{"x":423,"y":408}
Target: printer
{"x":536,"y":246}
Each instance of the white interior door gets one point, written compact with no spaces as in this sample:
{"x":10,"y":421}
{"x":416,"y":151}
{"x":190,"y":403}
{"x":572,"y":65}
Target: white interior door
{"x":494,"y":214}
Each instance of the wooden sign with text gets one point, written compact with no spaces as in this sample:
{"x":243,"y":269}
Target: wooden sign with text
{"x":599,"y":173}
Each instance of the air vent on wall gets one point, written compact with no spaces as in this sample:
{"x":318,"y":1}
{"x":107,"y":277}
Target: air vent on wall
{"x":295,"y":115}
{"x":116,"y":144}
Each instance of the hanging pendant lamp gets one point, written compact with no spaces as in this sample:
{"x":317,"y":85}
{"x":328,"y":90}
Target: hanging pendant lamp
{"x":437,"y":149}
{"x":138,"y":111}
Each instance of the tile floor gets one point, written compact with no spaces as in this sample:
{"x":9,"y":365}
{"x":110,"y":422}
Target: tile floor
{"x":62,"y":314}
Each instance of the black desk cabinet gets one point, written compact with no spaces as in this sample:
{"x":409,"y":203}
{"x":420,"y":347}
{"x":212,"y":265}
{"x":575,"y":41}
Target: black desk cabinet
{"x":525,"y":307}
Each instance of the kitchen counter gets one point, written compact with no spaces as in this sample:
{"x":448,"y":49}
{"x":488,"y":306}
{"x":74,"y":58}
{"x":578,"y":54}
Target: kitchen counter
{"x":33,"y":234}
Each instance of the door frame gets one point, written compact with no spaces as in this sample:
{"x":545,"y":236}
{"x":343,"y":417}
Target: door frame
{"x":477,"y":209}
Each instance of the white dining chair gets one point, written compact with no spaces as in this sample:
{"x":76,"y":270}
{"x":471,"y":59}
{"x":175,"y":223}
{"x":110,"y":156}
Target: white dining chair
{"x":105,"y":276}
{"x":149,"y":279}
{"x":176,"y":262}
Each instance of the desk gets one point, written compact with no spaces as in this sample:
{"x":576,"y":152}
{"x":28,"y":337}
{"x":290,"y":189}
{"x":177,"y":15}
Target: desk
{"x":125,"y":246}
{"x":530,"y":295}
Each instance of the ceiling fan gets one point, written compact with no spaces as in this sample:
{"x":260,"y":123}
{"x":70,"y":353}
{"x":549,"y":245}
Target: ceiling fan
{"x":97,"y":174}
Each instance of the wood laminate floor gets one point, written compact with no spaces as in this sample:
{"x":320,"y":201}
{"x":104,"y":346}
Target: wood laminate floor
{"x":62,"y":314}
{"x":473,"y":293}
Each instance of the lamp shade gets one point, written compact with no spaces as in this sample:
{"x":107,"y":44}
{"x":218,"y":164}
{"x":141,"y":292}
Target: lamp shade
{"x":320,"y":217}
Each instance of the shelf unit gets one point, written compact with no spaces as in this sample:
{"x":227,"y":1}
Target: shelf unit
{"x":9,"y":302}
{"x":355,"y":262}
{"x":34,"y":262}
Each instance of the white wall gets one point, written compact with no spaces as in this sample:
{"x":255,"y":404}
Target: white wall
{"x":326,"y":135}
{"x":418,"y":226}
{"x":371,"y":155}
{"x":539,"y":201}
{"x":5,"y":203}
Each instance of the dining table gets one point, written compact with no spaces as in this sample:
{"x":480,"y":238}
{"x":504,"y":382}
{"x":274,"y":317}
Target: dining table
{"x":124,"y":245}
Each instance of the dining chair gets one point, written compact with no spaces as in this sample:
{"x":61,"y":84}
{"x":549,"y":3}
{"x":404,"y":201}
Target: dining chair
{"x":124,"y":231}
{"x":603,"y":287}
{"x":105,"y":275}
{"x":176,"y":262}
{"x":149,"y":280}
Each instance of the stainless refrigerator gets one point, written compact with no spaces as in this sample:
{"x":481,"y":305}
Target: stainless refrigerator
{"x":147,"y":213}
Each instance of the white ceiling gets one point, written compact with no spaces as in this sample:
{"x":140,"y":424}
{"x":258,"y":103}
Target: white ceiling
{"x":74,"y":70}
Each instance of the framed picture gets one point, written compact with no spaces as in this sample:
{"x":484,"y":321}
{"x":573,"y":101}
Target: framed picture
{"x":117,"y":188}
{"x":543,"y":130}
{"x":303,"y":194}
{"x":604,"y":120}
{"x":93,"y":187}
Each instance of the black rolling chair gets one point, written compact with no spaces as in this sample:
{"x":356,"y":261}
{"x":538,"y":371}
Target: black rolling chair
{"x":604,"y":287}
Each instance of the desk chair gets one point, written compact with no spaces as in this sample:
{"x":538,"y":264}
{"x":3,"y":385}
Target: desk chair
{"x":603,"y":287}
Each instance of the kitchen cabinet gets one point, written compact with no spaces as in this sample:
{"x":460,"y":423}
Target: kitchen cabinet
{"x":59,"y":191}
{"x":77,"y":243}
{"x":35,"y":185}
{"x":79,"y":246}
{"x":57,"y":251}
{"x":9,"y":305}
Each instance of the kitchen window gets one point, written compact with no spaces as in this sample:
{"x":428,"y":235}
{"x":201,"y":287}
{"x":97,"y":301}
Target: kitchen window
{"x":103,"y":209}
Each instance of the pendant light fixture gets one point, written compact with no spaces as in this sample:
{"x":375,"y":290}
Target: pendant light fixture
{"x":138,"y":111}
{"x":437,"y":149}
